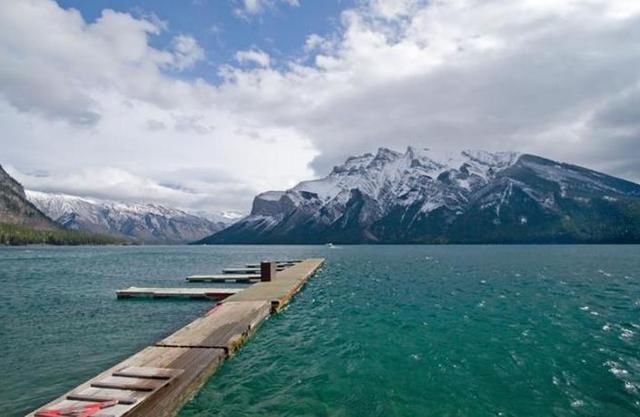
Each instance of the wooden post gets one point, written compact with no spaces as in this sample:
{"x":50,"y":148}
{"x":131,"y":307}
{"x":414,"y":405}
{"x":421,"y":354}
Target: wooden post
{"x":267,"y":270}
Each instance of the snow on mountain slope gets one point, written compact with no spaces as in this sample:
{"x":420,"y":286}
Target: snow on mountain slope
{"x":423,"y":196}
{"x":149,"y":223}
{"x":392,"y":178}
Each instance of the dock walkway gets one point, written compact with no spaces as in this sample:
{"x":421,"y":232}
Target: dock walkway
{"x":158,"y":380}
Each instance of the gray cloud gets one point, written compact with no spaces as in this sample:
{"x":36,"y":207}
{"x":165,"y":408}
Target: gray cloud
{"x":155,"y":125}
{"x":192,"y":123}
{"x":191,"y":189}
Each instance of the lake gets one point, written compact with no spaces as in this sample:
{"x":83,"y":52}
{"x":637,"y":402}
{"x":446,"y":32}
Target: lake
{"x":379,"y":331}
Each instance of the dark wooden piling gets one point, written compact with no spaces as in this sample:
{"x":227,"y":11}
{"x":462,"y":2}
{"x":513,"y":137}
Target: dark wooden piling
{"x":267,"y":271}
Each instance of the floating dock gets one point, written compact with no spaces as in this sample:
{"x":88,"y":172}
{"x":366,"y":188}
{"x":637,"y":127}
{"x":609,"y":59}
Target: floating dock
{"x":158,"y":380}
{"x":247,"y":270}
{"x":193,"y":292}
{"x":278,"y":263}
{"x":242,"y":278}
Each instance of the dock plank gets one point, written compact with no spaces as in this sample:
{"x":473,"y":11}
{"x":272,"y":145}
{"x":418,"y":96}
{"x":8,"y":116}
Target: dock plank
{"x":101,"y":394}
{"x":130,"y":384}
{"x":226,"y":327}
{"x":148,"y":372}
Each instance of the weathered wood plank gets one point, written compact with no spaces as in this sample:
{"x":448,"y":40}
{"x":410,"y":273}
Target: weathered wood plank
{"x":148,"y":372}
{"x":128,"y":383}
{"x":226,"y":326}
{"x":121,"y":396}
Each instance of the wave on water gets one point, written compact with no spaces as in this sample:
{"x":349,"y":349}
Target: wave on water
{"x":626,"y":333}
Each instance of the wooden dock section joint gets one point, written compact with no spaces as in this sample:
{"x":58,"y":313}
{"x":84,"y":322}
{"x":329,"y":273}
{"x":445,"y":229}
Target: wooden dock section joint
{"x":226,"y":327}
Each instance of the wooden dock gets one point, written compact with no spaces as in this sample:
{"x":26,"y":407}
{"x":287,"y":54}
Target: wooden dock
{"x":278,"y":263}
{"x":241,"y":278}
{"x":248,"y":270}
{"x":193,"y":292}
{"x":158,"y":380}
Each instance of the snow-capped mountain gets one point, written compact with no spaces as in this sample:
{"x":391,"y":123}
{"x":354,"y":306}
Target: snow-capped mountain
{"x":149,"y":223}
{"x":422,"y":196}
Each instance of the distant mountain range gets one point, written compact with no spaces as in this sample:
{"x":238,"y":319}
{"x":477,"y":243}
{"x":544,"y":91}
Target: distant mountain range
{"x":146,"y":223}
{"x":422,"y":197}
{"x":37,"y":217}
{"x":21,"y":222}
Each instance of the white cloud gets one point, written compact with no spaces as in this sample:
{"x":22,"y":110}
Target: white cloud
{"x":56,"y":64}
{"x":393,"y":9}
{"x":255,"y":7}
{"x":78,"y":96}
{"x":103,"y":182}
{"x":315,"y":42}
{"x":186,"y":52}
{"x":458,"y":73}
{"x":202,"y":151}
{"x":192,"y":190}
{"x":555,"y":78}
{"x":254,"y":56}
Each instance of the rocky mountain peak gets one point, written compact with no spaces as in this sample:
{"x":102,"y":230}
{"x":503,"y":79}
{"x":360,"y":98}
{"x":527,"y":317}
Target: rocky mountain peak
{"x":424,"y":196}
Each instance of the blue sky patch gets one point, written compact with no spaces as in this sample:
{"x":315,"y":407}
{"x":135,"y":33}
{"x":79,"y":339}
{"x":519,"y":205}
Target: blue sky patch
{"x":280,"y":29}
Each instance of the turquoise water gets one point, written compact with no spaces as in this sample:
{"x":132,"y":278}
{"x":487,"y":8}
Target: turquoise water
{"x":379,"y":331}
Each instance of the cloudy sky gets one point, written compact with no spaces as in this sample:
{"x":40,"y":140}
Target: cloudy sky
{"x":203,"y":103}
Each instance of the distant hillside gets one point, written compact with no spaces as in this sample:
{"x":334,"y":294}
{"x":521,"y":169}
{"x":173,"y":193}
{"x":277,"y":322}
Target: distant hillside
{"x":420,"y":196}
{"x":23,"y":223}
{"x":139,"y":222}
{"x":11,"y":234}
{"x":16,"y":209}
